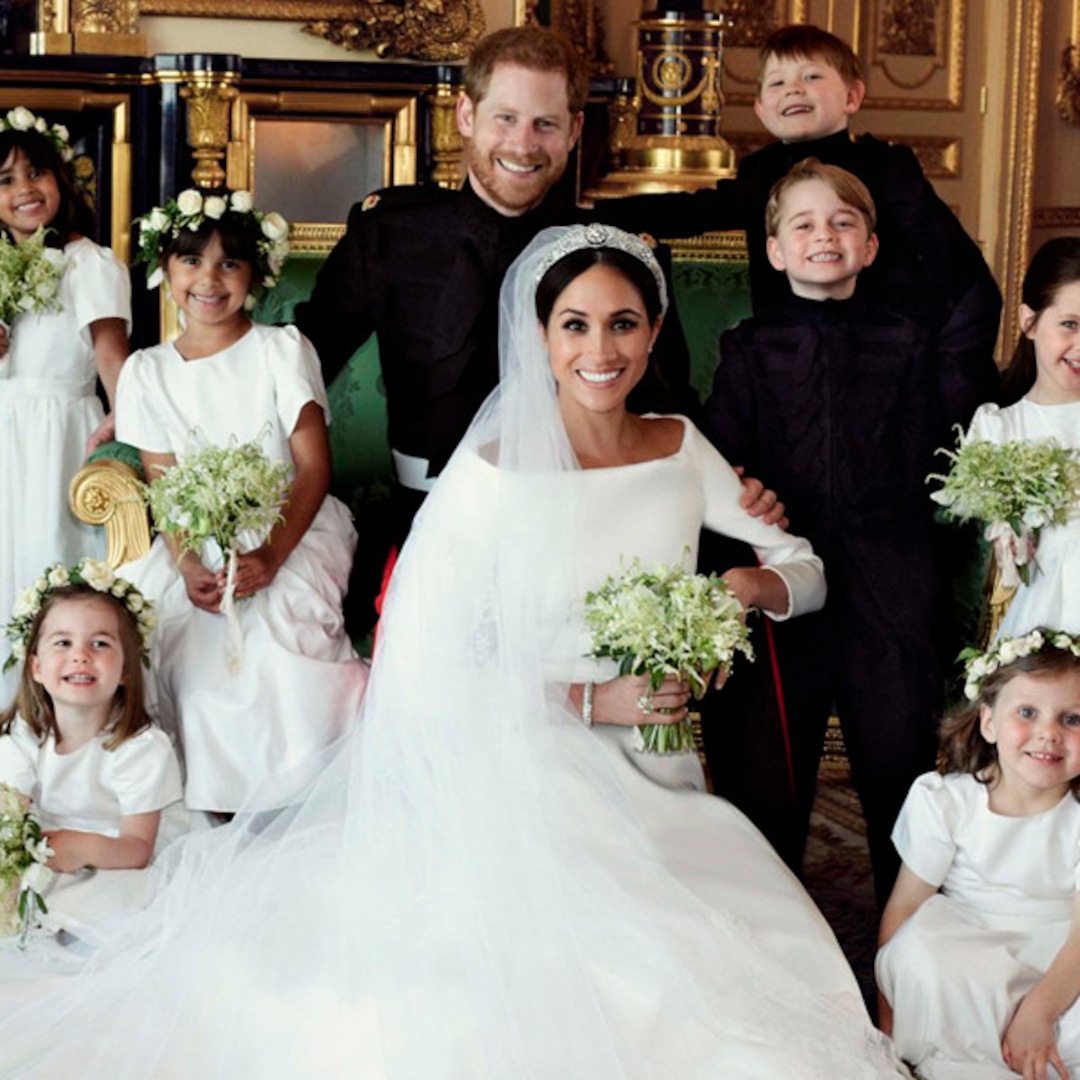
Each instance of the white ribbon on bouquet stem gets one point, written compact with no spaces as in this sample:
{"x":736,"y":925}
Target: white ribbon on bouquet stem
{"x":235,"y":656}
{"x":1012,"y":551}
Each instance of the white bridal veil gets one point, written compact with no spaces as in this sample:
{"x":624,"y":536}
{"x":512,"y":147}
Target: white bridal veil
{"x":465,"y":890}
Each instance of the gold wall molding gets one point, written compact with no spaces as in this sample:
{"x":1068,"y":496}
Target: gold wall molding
{"x":1017,"y":164}
{"x":917,"y":49}
{"x":447,"y":147}
{"x":579,"y":22}
{"x":109,"y":27}
{"x":431,"y":30}
{"x":939,"y":155}
{"x":1056,"y":217}
{"x":723,"y":247}
{"x":1068,"y":85}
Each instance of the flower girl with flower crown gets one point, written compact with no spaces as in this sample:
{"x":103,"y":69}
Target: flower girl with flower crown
{"x":225,"y":380}
{"x":104,"y":783}
{"x":1041,"y":401}
{"x":979,"y":964}
{"x":72,"y":330}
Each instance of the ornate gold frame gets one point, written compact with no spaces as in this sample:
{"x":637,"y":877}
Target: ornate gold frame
{"x":437,"y":30}
{"x":50,"y":99}
{"x":397,"y":113}
{"x":1068,"y":85}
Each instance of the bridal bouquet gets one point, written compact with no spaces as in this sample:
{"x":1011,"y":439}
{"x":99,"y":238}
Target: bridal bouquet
{"x":1016,"y":489}
{"x":219,"y":493}
{"x":23,"y":854}
{"x":666,"y":622}
{"x":30,"y":276}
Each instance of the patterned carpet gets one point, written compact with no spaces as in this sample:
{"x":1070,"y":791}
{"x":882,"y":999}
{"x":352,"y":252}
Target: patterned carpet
{"x":837,"y":866}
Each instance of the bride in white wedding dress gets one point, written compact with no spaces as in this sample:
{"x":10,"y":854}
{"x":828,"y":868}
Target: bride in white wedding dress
{"x":477,"y":885}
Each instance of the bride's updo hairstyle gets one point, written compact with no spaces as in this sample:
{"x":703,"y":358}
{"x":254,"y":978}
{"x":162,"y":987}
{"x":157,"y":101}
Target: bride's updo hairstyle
{"x":572,"y":266}
{"x":581,"y":247}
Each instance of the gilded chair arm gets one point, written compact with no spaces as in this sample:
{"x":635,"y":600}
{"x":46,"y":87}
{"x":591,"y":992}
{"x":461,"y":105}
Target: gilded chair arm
{"x":106,"y":492}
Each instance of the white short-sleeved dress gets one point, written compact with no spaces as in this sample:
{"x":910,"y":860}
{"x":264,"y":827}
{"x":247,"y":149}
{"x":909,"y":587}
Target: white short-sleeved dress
{"x":90,"y":790}
{"x":48,"y":409}
{"x":1052,"y":598}
{"x":300,"y":681}
{"x":957,"y":969}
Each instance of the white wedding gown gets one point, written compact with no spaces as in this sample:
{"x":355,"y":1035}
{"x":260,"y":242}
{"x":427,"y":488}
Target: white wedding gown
{"x":594,"y":914}
{"x":475,"y":886}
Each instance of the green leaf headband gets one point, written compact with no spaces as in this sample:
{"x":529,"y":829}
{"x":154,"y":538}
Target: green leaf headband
{"x":979,"y":666}
{"x":191,"y":208}
{"x":91,"y":572}
{"x":22,"y":119}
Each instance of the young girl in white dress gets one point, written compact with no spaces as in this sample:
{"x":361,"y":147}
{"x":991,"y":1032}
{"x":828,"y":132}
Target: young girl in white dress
{"x":227,"y":379}
{"x":1041,"y":392}
{"x":50,"y":361}
{"x":105,"y":783}
{"x":980,"y":940}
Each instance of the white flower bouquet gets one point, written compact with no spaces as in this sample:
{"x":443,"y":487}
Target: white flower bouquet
{"x":220,"y":493}
{"x":30,"y":276}
{"x":1016,"y":489}
{"x":662,"y":622}
{"x":23,"y":854}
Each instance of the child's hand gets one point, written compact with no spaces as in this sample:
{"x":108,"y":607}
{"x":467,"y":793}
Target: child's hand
{"x":254,"y":571}
{"x":1030,"y":1046}
{"x":759,"y":501}
{"x":67,"y":851}
{"x":103,"y":433}
{"x":201,"y":584}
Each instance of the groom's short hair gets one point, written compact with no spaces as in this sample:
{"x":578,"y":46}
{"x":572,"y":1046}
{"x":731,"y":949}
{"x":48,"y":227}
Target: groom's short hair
{"x":532,"y":47}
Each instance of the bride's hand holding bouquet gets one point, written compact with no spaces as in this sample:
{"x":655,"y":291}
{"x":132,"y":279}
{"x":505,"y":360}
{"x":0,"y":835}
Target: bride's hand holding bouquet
{"x":673,"y":631}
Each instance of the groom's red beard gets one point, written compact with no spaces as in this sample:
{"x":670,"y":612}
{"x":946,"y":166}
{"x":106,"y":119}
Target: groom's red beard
{"x":499,"y":182}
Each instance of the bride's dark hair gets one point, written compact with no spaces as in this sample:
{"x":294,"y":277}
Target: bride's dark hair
{"x":577,"y":262}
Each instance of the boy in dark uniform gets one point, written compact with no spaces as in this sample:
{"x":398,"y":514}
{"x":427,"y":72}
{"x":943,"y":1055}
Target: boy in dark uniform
{"x":809,"y":86}
{"x":840,"y":405}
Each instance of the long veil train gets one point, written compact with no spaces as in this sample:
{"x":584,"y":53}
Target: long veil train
{"x":468,"y":888}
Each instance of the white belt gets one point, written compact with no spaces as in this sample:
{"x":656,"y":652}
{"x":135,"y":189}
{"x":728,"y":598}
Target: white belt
{"x":412,"y":472}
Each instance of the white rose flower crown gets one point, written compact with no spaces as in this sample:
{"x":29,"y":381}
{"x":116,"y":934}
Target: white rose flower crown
{"x":978,"y":666}
{"x":98,"y":576}
{"x":22,"y":119}
{"x":191,"y":208}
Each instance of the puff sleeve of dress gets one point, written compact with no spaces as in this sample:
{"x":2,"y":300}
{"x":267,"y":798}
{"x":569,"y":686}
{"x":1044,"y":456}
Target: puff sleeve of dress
{"x":297,"y":374}
{"x":144,"y":773}
{"x":18,"y":753}
{"x":925,"y":829}
{"x":96,"y":286}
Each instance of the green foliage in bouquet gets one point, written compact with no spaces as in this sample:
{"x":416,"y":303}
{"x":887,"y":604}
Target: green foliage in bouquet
{"x":22,"y":848}
{"x":30,"y":276}
{"x":666,"y":621}
{"x":218,"y":493}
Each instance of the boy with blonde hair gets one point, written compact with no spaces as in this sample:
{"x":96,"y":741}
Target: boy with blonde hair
{"x":839,"y":406}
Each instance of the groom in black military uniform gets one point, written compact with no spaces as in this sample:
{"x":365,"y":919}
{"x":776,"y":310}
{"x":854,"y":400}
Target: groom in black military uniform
{"x":421,"y":266}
